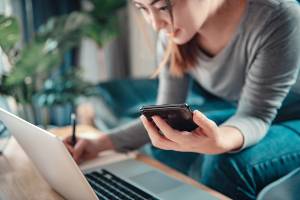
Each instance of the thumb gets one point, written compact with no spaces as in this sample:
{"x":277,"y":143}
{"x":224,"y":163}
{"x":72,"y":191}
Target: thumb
{"x":208,"y":126}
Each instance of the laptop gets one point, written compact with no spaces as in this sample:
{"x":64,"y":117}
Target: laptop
{"x":124,"y":179}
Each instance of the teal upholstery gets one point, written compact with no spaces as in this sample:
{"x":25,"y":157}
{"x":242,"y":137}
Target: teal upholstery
{"x":125,"y":97}
{"x":122,"y":100}
{"x":286,"y":188}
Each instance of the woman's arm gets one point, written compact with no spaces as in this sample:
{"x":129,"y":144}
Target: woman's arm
{"x":271,"y":75}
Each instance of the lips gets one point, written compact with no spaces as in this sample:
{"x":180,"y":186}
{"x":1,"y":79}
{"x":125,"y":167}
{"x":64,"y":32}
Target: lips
{"x":176,"y":32}
{"x":173,"y":34}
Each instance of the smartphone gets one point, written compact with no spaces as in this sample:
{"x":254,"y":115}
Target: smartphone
{"x":178,"y":116}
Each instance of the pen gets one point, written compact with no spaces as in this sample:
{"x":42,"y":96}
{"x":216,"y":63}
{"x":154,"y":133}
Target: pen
{"x":73,"y":121}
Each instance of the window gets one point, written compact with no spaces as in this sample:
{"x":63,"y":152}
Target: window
{"x":5,"y":7}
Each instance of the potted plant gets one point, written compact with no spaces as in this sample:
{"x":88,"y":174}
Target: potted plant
{"x":59,"y":96}
{"x":41,"y":58}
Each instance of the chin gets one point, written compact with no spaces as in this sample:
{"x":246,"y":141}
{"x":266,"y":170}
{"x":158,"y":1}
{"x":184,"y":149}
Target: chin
{"x":181,"y":40}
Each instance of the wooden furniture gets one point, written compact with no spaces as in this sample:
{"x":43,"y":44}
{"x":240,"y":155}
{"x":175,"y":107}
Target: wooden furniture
{"x":20,"y":180}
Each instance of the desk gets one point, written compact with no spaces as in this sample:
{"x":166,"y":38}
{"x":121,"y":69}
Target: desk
{"x":19,"y":179}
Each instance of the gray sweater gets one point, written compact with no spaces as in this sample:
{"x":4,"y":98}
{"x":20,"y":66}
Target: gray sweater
{"x":257,"y":69}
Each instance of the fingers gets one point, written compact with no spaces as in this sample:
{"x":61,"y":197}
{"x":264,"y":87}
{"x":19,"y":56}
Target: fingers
{"x":68,"y":140}
{"x":79,"y":150}
{"x":167,"y":130}
{"x":208,"y":126}
{"x":68,"y":146}
{"x":70,"y":149}
{"x":156,"y":139}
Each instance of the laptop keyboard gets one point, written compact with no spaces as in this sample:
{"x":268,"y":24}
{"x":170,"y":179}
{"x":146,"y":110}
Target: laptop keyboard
{"x":108,"y":186}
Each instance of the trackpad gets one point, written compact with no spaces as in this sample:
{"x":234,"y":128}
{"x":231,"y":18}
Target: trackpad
{"x":155,"y":181}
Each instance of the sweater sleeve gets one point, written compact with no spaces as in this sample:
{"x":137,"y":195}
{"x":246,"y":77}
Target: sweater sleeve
{"x":171,"y":90}
{"x":271,"y":75}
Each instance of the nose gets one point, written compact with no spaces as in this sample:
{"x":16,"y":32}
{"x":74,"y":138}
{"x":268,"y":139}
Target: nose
{"x":157,"y":22}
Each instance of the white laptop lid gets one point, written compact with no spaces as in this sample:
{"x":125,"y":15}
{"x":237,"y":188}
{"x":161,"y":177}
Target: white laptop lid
{"x":50,"y":157}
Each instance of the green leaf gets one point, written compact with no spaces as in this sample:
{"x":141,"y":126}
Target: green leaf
{"x":36,"y":59}
{"x":106,"y":8}
{"x":9,"y":33}
{"x":46,"y":52}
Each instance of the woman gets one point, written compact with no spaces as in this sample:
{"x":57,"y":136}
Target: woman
{"x":242,"y":51}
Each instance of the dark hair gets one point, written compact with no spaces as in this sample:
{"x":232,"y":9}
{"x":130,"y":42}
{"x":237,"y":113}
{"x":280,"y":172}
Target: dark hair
{"x":180,"y":57}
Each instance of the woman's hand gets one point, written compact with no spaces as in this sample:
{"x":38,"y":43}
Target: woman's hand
{"x":87,"y":149}
{"x":208,"y":138}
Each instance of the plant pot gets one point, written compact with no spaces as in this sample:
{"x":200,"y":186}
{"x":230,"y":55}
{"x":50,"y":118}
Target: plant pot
{"x":60,"y":114}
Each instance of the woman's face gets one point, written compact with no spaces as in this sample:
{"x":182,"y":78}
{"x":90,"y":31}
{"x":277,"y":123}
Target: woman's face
{"x":189,"y":16}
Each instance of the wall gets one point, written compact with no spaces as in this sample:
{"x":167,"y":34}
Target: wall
{"x":142,"y":45}
{"x":131,"y":54}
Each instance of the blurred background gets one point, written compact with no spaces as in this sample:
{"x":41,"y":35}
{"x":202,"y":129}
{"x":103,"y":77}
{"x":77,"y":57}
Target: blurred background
{"x":93,"y":57}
